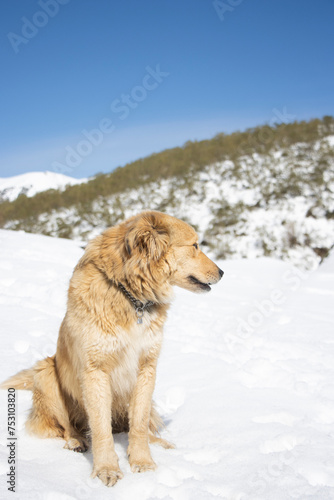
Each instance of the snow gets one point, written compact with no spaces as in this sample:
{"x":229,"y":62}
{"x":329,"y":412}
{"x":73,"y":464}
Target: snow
{"x":278,"y":204}
{"x":244,"y":384}
{"x":34,"y":182}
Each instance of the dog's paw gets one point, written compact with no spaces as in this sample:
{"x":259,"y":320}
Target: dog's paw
{"x":139,"y":455}
{"x":79,"y":445}
{"x":142,"y":465}
{"x":108,"y":475}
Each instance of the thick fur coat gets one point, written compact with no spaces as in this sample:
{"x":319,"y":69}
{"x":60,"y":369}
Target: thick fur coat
{"x":102,"y":377}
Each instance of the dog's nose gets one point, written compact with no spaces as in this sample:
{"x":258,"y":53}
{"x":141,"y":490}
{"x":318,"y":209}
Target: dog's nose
{"x":221,"y":273}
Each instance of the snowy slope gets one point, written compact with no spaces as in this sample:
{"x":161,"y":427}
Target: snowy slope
{"x":34,"y":182}
{"x":278,"y":204}
{"x":245,"y":383}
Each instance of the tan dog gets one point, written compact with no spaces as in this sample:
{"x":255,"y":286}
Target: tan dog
{"x":103,"y":373}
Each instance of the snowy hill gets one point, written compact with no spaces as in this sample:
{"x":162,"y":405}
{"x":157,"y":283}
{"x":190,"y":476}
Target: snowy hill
{"x":244,"y":383}
{"x":34,"y":182}
{"x":273,"y":200}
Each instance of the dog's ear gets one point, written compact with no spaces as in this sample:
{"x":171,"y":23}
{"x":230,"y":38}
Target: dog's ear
{"x":148,"y":237}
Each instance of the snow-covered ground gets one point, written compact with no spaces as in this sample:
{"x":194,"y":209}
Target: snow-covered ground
{"x":245,"y":383}
{"x":278,"y":204}
{"x":34,"y":182}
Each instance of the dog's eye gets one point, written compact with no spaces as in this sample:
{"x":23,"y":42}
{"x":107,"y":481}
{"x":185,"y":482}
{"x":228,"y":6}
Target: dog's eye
{"x":195,"y":245}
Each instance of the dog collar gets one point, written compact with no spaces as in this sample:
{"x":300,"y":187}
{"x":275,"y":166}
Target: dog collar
{"x":138,"y":304}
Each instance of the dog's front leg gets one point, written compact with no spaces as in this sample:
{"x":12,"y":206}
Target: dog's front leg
{"x":98,"y":401}
{"x":139,"y":416}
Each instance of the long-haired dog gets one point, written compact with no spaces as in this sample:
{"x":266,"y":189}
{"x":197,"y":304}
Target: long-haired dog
{"x":102,"y":377}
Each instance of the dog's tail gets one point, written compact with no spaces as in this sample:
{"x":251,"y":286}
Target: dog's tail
{"x":156,"y":422}
{"x":25,"y":378}
{"x":22,"y":380}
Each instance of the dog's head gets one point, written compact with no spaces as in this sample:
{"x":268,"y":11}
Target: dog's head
{"x":193,"y":270}
{"x":151,"y":252}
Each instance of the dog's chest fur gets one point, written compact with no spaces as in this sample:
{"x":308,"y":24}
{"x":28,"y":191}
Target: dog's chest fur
{"x":121,"y":352}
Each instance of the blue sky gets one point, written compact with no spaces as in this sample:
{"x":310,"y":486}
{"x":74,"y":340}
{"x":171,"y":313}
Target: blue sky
{"x":87,"y":86}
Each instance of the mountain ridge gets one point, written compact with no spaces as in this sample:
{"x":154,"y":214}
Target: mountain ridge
{"x":268,"y":191}
{"x":31,"y":183}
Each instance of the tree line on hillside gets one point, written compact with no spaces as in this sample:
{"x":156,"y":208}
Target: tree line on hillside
{"x":175,"y":162}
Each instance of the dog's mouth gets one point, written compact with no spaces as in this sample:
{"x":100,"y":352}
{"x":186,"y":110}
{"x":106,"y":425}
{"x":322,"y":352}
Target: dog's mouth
{"x":200,"y":284}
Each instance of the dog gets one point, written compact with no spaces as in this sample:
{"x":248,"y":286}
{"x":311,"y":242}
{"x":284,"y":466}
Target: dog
{"x":102,"y":377}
